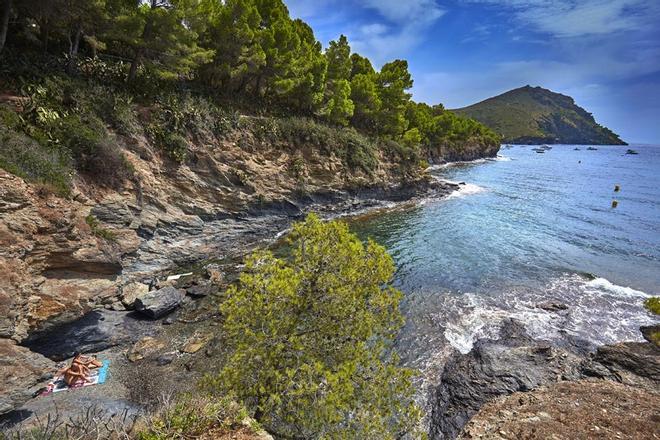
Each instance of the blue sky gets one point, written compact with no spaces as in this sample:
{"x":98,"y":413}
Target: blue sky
{"x":604,"y":53}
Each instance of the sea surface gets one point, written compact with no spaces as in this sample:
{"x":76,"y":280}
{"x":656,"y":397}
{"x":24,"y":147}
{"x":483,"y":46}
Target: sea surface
{"x":527,"y":228}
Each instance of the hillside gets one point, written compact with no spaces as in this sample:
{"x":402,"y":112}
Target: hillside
{"x":533,"y":115}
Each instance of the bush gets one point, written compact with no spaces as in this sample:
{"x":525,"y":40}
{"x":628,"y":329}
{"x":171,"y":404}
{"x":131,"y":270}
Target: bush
{"x":99,"y":231}
{"x":192,"y":416}
{"x":653,"y":305}
{"x":30,"y":160}
{"x":353,"y":148}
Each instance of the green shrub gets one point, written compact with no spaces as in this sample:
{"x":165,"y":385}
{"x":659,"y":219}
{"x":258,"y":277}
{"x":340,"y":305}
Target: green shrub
{"x":30,"y":160}
{"x":99,"y":231}
{"x":352,"y":147}
{"x":653,"y":305}
{"x":193,"y":416}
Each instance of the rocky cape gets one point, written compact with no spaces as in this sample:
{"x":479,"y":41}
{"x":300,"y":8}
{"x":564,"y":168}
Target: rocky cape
{"x":533,"y":115}
{"x":65,"y":260}
{"x":519,"y":387}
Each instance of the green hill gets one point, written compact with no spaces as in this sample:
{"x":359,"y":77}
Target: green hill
{"x":533,"y":115}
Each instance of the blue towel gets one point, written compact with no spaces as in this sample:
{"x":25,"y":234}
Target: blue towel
{"x":103,"y":371}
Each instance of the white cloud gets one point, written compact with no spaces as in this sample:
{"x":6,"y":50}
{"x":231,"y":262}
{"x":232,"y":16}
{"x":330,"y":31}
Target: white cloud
{"x":409,"y":19}
{"x":570,"y":18}
{"x":373,"y":29}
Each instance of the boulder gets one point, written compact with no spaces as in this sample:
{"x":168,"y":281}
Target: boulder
{"x":143,"y":348}
{"x":158,"y":303}
{"x":631,"y":363}
{"x":651,"y":333}
{"x":130,"y":292}
{"x":20,"y":371}
{"x":214,"y":273}
{"x":94,"y":332}
{"x":200,"y":291}
{"x":493,"y":368}
{"x":196,"y":343}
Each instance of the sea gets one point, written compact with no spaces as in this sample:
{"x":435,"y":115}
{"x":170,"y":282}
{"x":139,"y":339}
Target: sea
{"x":571,"y":225}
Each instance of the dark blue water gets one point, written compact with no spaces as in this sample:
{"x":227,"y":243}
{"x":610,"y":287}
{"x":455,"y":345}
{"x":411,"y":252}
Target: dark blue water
{"x":525,"y":229}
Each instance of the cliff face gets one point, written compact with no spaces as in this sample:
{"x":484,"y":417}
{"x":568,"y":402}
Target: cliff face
{"x":60,"y":258}
{"x":533,"y":115}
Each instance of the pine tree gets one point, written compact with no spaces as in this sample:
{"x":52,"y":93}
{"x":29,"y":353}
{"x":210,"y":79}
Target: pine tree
{"x":393,"y":81}
{"x":310,"y":339}
{"x":338,"y":106}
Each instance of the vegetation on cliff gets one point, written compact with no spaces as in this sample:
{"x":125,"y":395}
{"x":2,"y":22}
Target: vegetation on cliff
{"x":533,"y":115}
{"x":79,"y":73}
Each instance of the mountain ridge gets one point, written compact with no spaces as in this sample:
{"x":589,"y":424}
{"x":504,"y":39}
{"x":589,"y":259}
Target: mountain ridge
{"x":534,"y":115}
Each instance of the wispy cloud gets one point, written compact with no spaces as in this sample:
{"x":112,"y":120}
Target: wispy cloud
{"x":408,"y":21}
{"x":571,"y":18}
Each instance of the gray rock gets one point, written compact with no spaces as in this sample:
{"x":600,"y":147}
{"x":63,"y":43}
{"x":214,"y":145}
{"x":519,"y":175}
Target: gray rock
{"x":130,"y":292}
{"x":200,"y":291}
{"x":494,"y":368}
{"x":96,"y":331}
{"x":551,"y":306}
{"x":631,"y":363}
{"x":648,"y":331}
{"x":158,"y":303}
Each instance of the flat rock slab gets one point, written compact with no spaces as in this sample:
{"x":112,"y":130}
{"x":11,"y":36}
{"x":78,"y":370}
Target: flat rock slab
{"x":158,"y":303}
{"x":570,"y":410}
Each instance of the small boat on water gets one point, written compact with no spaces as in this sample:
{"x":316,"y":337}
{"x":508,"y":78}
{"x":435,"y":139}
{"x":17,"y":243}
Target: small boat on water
{"x":631,"y":152}
{"x":546,"y":147}
{"x":576,"y":149}
{"x":592,"y":149}
{"x":539,"y":150}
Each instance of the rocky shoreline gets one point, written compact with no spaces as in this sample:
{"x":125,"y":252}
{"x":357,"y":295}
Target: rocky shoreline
{"x":104,"y":321}
{"x":513,"y":386}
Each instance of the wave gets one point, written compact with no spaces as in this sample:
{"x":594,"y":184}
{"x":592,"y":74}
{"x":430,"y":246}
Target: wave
{"x":604,"y":284}
{"x":466,"y":190}
{"x":598,"y":311}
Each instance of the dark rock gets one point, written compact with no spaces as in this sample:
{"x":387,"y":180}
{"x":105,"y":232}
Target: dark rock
{"x":551,"y":306}
{"x":96,"y":331}
{"x":651,"y":333}
{"x":494,"y":368}
{"x":160,"y":302}
{"x":166,"y":359}
{"x":200,"y":291}
{"x":631,"y":363}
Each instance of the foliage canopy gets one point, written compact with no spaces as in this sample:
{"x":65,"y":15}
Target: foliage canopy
{"x":311,"y":338}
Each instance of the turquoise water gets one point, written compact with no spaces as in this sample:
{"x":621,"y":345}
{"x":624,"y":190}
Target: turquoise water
{"x":527,"y":228}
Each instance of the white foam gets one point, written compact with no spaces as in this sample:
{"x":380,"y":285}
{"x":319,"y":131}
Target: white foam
{"x":604,"y":284}
{"x":500,"y":158}
{"x":466,"y":190}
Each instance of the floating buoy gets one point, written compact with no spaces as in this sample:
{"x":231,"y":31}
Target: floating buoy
{"x":614,"y":203}
{"x":579,"y":161}
{"x":617,"y":188}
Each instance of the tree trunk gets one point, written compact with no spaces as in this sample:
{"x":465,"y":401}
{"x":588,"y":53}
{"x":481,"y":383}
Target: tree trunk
{"x":139,"y":52}
{"x":134,"y":65}
{"x":74,"y":45}
{"x":4,"y":22}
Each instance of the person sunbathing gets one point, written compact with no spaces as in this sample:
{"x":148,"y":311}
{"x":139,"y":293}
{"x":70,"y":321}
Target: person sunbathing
{"x":86,"y":361}
{"x":75,"y":373}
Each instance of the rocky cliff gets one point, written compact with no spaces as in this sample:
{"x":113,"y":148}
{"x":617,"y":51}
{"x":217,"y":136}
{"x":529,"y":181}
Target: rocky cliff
{"x":61,"y":258}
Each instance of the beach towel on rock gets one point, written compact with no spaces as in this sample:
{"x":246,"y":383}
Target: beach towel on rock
{"x":97,"y":376}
